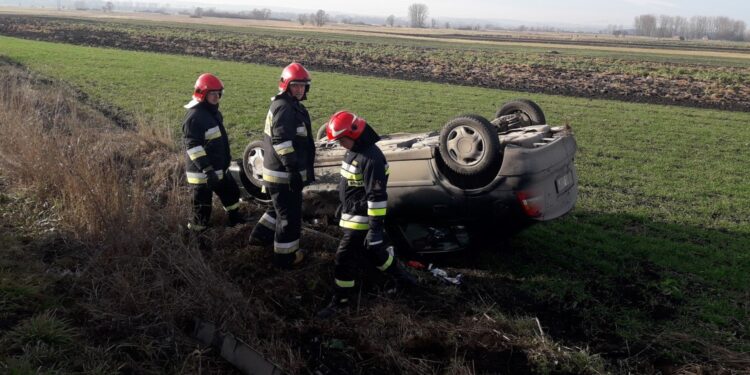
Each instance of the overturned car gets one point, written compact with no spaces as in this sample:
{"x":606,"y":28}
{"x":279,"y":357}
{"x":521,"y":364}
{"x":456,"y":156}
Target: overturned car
{"x":473,"y":178}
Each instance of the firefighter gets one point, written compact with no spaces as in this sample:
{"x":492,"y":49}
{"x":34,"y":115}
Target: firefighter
{"x":208,"y":154}
{"x":288,"y":157}
{"x":364,"y":200}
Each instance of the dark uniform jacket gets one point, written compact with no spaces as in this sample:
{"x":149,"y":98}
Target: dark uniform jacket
{"x":206,"y":140}
{"x":362,"y":189}
{"x":287,"y":141}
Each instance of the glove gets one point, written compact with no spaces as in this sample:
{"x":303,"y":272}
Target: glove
{"x":212,"y":179}
{"x":295,"y":180}
{"x":374,"y":238}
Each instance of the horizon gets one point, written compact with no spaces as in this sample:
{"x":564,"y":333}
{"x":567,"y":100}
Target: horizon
{"x":573,"y":12}
{"x":584,"y":13}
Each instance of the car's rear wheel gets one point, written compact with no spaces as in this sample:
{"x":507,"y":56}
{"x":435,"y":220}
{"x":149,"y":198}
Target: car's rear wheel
{"x":469,"y":146}
{"x":528,"y":113}
{"x":252,"y":162}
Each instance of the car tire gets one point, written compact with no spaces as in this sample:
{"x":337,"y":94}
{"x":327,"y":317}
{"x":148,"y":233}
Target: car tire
{"x":530,"y":112}
{"x":469,"y":146}
{"x":252,"y":165}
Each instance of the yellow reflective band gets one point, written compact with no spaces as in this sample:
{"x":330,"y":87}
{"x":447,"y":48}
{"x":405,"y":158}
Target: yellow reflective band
{"x":353,"y":225}
{"x":387,"y":263}
{"x":284,"y":148}
{"x":196,"y":178}
{"x":351,"y":176}
{"x":285,"y":151}
{"x":233,"y":207}
{"x":213,"y":133}
{"x":387,"y":171}
{"x":376,"y":211}
{"x":196,"y":152}
{"x":285,"y":247}
{"x":344,"y":284}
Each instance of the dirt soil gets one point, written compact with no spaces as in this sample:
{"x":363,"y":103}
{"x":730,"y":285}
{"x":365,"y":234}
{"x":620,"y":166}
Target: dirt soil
{"x":595,"y":80}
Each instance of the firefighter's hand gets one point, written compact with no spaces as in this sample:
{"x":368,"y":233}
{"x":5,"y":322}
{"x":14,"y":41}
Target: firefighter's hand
{"x":212,"y":178}
{"x":295,"y":181}
{"x":374,"y":238}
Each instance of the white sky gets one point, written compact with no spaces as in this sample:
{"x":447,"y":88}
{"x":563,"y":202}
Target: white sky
{"x":584,"y":12}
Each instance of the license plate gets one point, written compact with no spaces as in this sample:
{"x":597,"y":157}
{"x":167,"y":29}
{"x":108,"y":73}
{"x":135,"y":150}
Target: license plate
{"x":564,"y":183}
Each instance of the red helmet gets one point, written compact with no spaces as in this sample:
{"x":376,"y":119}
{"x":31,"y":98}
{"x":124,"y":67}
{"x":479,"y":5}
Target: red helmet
{"x":345,"y":124}
{"x":294,"y":72}
{"x":206,"y":82}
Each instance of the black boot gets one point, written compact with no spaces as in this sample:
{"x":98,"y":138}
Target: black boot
{"x":235,"y":218}
{"x":339,"y":302}
{"x":404,"y":280}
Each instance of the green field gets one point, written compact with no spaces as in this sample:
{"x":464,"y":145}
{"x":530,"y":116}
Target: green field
{"x":656,"y":246}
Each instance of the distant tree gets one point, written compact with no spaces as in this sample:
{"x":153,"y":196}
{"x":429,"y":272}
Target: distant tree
{"x":80,"y":5}
{"x":698,"y":27}
{"x":645,"y":25}
{"x":302,"y":19}
{"x":390,"y":20}
{"x":261,"y":14}
{"x":447,"y":25}
{"x":418,"y":15}
{"x":319,"y":18}
{"x":433,"y":23}
{"x":198,"y":12}
{"x":108,"y":6}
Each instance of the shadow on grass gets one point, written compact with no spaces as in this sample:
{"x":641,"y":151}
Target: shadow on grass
{"x":622,"y":285}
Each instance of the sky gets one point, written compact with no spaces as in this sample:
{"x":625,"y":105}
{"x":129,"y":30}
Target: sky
{"x":583,"y":12}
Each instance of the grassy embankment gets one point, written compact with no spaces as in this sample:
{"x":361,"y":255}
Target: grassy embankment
{"x":654,"y":256}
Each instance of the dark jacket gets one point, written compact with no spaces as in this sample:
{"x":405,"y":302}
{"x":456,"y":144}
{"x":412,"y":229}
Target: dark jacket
{"x":363,"y":185}
{"x":288,"y":143}
{"x":205,"y":139}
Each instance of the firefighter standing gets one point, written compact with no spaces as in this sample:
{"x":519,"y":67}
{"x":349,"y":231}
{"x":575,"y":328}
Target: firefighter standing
{"x":364,"y":199}
{"x":208,"y":154}
{"x":288,"y":157}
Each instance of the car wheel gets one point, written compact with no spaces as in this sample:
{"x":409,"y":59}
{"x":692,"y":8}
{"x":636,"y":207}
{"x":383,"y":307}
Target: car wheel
{"x":252,"y":162}
{"x":469,"y":145}
{"x":529,"y":113}
{"x":321,"y":134}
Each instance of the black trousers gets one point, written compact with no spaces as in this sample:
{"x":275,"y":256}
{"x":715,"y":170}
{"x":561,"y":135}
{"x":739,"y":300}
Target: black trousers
{"x":351,"y":249}
{"x":281,"y":223}
{"x":228,"y":193}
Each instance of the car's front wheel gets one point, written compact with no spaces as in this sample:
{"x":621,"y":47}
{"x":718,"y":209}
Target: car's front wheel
{"x":469,"y":146}
{"x":252,"y":161}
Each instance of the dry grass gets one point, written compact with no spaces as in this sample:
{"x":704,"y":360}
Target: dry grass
{"x":120,"y":194}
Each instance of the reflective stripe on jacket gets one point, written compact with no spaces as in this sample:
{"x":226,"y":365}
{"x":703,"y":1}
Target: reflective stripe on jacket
{"x":206,"y":142}
{"x":363,"y":189}
{"x":287,"y":140}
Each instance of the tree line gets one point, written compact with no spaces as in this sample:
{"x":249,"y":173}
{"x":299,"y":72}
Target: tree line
{"x":696,"y":27}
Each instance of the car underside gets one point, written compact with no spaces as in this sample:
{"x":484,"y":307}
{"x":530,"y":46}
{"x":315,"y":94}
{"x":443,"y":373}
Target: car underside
{"x":474,"y":178}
